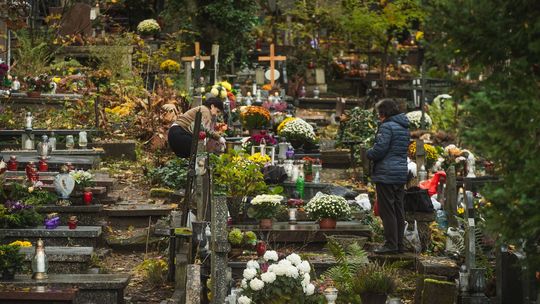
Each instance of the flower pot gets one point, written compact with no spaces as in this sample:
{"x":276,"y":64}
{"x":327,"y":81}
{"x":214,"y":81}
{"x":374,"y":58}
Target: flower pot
{"x":234,"y":204}
{"x":327,"y":223}
{"x":265,"y":223}
{"x":235,"y":252}
{"x":373,"y":298}
{"x":33,"y":94}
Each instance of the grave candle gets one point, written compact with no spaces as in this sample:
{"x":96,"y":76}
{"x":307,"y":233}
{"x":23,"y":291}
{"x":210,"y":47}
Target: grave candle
{"x":39,"y":262}
{"x":28,"y":121}
{"x":12,"y":163}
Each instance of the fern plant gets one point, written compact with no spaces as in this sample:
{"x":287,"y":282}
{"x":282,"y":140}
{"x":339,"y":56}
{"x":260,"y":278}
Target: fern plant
{"x":348,"y":262}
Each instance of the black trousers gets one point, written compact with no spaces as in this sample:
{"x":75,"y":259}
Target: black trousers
{"x":390,"y":199}
{"x":180,"y":141}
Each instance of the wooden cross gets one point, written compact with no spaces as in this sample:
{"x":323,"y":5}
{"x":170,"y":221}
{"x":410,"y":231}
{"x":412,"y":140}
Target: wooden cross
{"x":272,"y":58}
{"x":197,"y":60}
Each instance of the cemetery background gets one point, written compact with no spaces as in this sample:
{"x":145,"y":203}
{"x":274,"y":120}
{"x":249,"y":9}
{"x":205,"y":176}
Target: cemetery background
{"x":126,"y":88}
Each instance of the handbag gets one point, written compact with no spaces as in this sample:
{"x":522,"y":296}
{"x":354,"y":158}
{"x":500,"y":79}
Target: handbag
{"x":417,"y":200}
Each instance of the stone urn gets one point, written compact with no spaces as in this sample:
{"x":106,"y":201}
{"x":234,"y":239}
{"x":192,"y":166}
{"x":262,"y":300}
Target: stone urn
{"x":64,"y":183}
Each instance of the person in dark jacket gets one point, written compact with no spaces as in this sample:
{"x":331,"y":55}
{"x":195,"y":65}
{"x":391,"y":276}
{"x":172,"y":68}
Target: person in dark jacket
{"x":389,"y":155}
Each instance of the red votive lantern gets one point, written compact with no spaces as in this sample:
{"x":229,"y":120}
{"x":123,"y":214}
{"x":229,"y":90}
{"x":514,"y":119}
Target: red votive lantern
{"x":260,"y":248}
{"x":42,"y":165}
{"x":12,"y":163}
{"x":87,"y":196}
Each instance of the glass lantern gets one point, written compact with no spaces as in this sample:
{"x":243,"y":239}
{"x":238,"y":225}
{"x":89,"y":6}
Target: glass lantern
{"x":70,"y":142}
{"x":40,"y":263}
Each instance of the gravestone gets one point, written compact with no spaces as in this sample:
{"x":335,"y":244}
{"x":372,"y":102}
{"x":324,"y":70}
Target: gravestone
{"x":76,"y":21}
{"x":439,"y":292}
{"x":193,"y":286}
{"x":220,"y":249}
{"x":450,"y":205}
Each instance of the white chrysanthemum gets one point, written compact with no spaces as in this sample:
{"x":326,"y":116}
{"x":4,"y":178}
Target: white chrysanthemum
{"x":249,"y":273}
{"x":253,"y":264}
{"x":292,"y":272}
{"x":268,"y":277}
{"x":244,"y":284}
{"x":294,"y":259}
{"x":256,"y":284}
{"x":280,"y":270}
{"x":304,"y":267}
{"x":271,"y":255}
{"x":310,"y":289}
{"x":306,"y":280}
{"x":244,"y":300}
{"x":267,"y":199}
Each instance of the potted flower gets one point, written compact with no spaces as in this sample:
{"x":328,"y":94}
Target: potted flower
{"x":298,"y":132}
{"x":16,"y":214}
{"x":265,"y":207}
{"x":278,"y":281}
{"x":37,"y":85}
{"x":83,"y":179}
{"x":254,"y":118}
{"x":147,"y":28}
{"x":374,"y":282}
{"x":239,"y":240}
{"x":238,"y":177}
{"x":415,"y":119}
{"x":11,"y":259}
{"x":327,"y":209}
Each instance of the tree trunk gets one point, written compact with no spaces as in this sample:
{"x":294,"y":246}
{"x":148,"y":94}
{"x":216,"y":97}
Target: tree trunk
{"x":384,"y":63}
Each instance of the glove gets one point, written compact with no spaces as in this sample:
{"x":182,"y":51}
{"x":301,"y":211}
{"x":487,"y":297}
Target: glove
{"x":222,"y":141}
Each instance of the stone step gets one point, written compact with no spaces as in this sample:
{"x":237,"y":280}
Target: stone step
{"x":126,"y":214}
{"x":48,"y":178}
{"x":55,"y":161}
{"x":87,"y":215}
{"x":61,"y":236}
{"x":306,"y":232}
{"x":63,"y":259}
{"x":93,"y":288}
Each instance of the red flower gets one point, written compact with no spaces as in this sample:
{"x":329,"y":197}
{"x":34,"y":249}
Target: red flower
{"x":202,"y":135}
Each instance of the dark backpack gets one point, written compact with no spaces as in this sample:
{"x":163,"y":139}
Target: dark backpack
{"x":417,"y":200}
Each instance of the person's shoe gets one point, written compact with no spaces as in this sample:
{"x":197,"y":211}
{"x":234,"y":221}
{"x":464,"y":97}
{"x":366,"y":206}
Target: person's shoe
{"x":385,"y":250}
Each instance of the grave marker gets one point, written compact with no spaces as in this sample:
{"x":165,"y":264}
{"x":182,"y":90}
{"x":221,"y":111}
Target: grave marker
{"x":197,"y":64}
{"x":220,"y":249}
{"x":272,"y":58}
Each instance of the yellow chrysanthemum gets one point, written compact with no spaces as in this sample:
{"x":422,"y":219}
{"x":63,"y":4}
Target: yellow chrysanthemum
{"x":284,"y":122}
{"x":259,"y":159}
{"x":170,"y":66}
{"x":21,"y":244}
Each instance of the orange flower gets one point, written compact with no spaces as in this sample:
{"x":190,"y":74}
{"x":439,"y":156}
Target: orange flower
{"x":266,"y":87}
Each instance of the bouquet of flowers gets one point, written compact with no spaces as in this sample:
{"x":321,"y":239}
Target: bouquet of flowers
{"x":82,"y":178}
{"x":148,"y":27}
{"x":328,"y":206}
{"x":238,"y":239}
{"x":255,"y":140}
{"x":254,"y":117}
{"x":415,"y":118}
{"x":41,"y":83}
{"x":170,"y":66}
{"x":284,"y":122}
{"x":298,"y":130}
{"x":266,"y":206}
{"x":277,"y":281}
{"x":260,"y":159}
{"x":432,"y":154}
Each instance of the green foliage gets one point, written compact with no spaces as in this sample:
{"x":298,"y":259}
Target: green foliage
{"x":443,"y":114}
{"x":375,"y":278}
{"x":239,"y":176}
{"x":235,"y":237}
{"x":29,"y":195}
{"x":113,"y":57}
{"x":32,"y":54}
{"x":10,"y":258}
{"x":250,"y":237}
{"x":26,"y":218}
{"x":348,"y":262}
{"x":361,"y":125}
{"x":226,"y":22}
{"x":172,"y":175}
{"x":155,"y":270}
{"x":495,"y":38}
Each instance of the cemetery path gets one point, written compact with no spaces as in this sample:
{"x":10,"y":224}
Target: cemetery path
{"x":139,"y":290}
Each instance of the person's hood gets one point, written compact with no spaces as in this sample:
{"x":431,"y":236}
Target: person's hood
{"x":400,"y":119}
